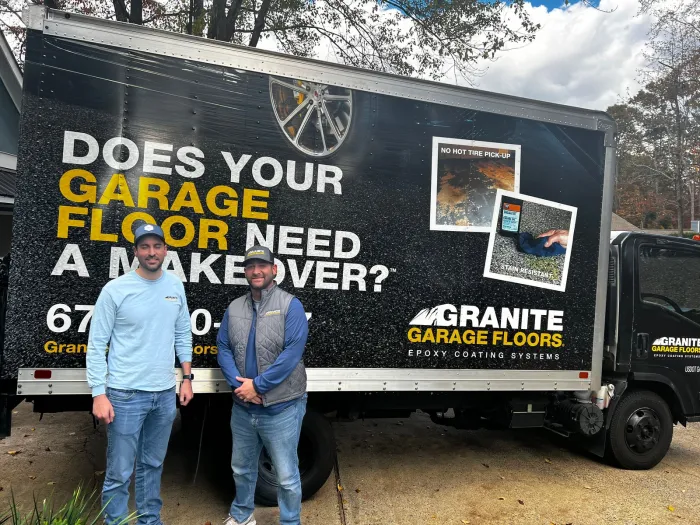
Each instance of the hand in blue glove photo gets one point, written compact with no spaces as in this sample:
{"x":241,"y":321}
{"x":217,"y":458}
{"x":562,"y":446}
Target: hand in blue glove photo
{"x":560,"y":236}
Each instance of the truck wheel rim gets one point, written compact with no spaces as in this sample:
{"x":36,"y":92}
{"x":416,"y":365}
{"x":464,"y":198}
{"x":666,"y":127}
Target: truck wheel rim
{"x":314,"y":117}
{"x":643,"y":430}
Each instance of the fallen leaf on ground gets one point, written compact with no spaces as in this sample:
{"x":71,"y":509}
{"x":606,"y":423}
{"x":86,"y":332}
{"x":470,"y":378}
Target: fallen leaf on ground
{"x":27,"y":435}
{"x":501,"y":477}
{"x":546,"y":460}
{"x":484,"y":464}
{"x":340,"y":487}
{"x":14,"y":452}
{"x":502,"y":499}
{"x":32,"y":477}
{"x":466,"y":522}
{"x":33,"y":429}
{"x":357,"y":490}
{"x":521,"y":502}
{"x":51,"y":483}
{"x":587,"y":487}
{"x":47,"y":449}
{"x":15,"y":412}
{"x":71,"y":434}
{"x":671,"y":508}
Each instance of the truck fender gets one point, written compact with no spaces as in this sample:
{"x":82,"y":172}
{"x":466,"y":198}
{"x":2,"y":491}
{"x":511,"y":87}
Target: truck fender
{"x":678,"y":404}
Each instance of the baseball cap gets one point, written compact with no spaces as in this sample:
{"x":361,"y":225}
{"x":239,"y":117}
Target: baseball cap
{"x":148,"y":229}
{"x":260,"y":253}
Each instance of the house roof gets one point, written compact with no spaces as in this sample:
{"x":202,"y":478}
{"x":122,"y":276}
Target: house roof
{"x":7,"y":183}
{"x":620,"y":224}
{"x":10,"y":74}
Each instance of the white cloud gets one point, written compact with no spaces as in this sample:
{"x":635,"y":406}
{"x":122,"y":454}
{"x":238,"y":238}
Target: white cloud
{"x":580,"y":57}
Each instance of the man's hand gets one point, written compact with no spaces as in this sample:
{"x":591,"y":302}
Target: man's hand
{"x":246,"y":392}
{"x":560,"y":236}
{"x":257,"y":400}
{"x":186,"y":393}
{"x":102,"y":409}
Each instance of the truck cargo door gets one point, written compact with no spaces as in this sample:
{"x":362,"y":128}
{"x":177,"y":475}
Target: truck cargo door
{"x":666,"y":322}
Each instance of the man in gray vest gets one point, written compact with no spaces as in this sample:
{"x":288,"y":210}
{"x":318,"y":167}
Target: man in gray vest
{"x":261,"y":344}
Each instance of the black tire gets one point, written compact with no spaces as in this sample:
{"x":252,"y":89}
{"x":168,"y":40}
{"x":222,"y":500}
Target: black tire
{"x":640,"y":431}
{"x":316,"y":461}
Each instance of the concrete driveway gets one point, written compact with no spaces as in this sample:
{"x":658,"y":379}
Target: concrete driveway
{"x":389,"y":472}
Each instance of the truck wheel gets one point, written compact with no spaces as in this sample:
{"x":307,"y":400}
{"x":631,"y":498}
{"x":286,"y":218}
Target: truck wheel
{"x":640,"y":431}
{"x":316,"y":460}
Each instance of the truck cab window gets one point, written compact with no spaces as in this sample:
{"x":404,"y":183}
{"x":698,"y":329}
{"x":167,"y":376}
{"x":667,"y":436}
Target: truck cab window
{"x":669,"y":278}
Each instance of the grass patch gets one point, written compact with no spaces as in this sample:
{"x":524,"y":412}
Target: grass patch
{"x":80,"y":509}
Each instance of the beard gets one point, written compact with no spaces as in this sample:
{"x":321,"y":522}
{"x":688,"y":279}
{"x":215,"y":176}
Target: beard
{"x":150,"y":265}
{"x":265,"y":283}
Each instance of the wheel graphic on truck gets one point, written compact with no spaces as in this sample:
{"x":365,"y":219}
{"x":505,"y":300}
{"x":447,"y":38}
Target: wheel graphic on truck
{"x":314,"y":117}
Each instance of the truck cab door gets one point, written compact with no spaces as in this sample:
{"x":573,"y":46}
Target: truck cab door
{"x":665,"y":345}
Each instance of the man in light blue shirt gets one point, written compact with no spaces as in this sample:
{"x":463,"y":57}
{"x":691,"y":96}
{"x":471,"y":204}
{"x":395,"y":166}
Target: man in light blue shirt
{"x":139,"y":323}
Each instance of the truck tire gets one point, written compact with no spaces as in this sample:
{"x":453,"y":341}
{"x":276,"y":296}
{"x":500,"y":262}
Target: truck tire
{"x":316,"y":461}
{"x":640,"y":431}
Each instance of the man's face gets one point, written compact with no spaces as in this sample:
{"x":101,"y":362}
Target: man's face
{"x":150,"y":251}
{"x":260,"y":274}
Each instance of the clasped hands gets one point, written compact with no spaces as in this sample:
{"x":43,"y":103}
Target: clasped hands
{"x":246,"y":392}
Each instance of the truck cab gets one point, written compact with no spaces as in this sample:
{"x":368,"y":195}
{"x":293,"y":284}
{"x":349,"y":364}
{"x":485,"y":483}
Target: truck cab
{"x":652,"y":344}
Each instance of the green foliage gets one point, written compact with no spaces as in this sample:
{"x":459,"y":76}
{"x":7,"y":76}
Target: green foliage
{"x":438,"y":39}
{"x":80,"y":509}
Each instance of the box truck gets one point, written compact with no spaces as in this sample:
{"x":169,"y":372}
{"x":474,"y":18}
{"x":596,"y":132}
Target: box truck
{"x":451,"y":247}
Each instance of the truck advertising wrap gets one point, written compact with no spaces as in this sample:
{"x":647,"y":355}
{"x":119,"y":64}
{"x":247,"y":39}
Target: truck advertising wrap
{"x":417,"y":235}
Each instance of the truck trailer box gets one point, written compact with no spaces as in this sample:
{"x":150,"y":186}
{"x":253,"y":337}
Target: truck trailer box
{"x":407,"y":216}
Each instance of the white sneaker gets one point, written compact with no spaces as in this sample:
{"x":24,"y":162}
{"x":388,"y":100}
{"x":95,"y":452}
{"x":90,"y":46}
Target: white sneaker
{"x":250,"y":521}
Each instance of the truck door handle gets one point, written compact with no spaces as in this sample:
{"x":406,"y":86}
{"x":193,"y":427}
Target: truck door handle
{"x":642,"y":346}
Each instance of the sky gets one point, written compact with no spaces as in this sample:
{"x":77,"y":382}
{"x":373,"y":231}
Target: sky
{"x":581,"y":56}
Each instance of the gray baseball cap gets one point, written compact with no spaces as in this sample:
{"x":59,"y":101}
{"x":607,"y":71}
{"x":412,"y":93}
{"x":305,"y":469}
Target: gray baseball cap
{"x":148,"y":229}
{"x":260,"y":253}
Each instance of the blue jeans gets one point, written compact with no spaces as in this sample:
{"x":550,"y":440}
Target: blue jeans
{"x":279,"y":434}
{"x":140,"y":432}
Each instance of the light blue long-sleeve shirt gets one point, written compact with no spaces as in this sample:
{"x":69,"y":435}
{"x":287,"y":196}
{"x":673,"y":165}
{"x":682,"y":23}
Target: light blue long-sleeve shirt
{"x":145,"y":323}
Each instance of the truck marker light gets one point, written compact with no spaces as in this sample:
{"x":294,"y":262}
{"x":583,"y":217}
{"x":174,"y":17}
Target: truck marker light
{"x":42,"y":374}
{"x":583,"y":375}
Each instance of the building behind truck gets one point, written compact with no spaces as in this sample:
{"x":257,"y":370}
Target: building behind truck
{"x":10,"y":101}
{"x":404,"y":214}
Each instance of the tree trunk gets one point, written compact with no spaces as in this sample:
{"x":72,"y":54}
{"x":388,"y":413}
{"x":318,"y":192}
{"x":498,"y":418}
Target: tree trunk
{"x":120,"y":10}
{"x":679,"y":202}
{"x":692,"y":200}
{"x":679,"y":149}
{"x":136,"y":16}
{"x":259,"y":23}
{"x":231,"y":18}
{"x":197,"y":12}
{"x":217,"y":24}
